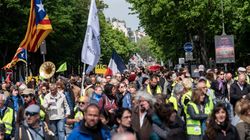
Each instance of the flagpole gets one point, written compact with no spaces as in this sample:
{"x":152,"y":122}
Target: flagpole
{"x":27,"y":69}
{"x":83,"y":79}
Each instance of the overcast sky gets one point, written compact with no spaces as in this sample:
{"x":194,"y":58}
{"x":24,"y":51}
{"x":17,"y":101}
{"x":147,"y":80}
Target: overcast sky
{"x":119,"y":9}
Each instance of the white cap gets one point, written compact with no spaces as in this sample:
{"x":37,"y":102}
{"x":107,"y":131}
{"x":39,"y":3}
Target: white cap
{"x":241,"y":69}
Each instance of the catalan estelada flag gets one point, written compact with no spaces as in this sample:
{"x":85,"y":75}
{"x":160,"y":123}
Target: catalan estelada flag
{"x":39,"y":27}
{"x":21,"y":55}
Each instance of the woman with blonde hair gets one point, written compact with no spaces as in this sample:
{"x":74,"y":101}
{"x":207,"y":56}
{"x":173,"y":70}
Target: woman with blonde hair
{"x":186,"y":97}
{"x":195,"y":115}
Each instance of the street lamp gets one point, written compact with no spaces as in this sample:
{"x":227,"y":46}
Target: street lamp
{"x":196,"y":39}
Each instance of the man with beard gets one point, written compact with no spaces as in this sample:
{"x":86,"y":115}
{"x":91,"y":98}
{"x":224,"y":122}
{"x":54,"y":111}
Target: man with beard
{"x":153,"y":88}
{"x":91,"y":127}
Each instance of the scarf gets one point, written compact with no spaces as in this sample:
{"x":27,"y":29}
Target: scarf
{"x":15,"y":102}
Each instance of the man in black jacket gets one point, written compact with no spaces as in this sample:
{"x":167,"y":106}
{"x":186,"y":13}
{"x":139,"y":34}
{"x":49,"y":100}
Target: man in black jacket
{"x":239,"y":89}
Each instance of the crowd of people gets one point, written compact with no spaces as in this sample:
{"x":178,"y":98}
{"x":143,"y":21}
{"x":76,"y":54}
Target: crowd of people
{"x":138,"y":104}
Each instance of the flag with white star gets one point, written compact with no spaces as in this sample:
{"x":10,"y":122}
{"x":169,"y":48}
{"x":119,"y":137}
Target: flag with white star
{"x":39,"y":27}
{"x":21,"y":55}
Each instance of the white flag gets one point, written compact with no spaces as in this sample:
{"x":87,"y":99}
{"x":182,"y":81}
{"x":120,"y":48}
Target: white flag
{"x":91,"y":50}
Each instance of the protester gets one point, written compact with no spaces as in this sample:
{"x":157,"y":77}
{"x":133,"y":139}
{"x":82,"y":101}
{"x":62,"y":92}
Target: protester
{"x":90,"y":128}
{"x":32,"y":127}
{"x":243,"y":125}
{"x":220,"y":87}
{"x":239,"y":89}
{"x":96,"y":95}
{"x":219,"y":126}
{"x":196,"y":116}
{"x":170,"y":126}
{"x":123,"y":96}
{"x":83,"y":102}
{"x":57,"y":107}
{"x":141,"y":115}
{"x":123,"y":118}
{"x":7,"y":116}
{"x":14,"y":101}
{"x":153,"y":87}
{"x":2,"y":131}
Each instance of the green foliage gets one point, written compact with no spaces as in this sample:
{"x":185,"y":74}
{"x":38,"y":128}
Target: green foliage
{"x":64,"y":43}
{"x":171,"y":23}
{"x":112,"y":39}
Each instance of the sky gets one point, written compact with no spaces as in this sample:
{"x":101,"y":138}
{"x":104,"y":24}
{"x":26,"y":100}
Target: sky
{"x":120,"y":10}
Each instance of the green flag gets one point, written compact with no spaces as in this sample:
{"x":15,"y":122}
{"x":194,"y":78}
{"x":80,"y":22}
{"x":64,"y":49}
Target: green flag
{"x":62,"y":68}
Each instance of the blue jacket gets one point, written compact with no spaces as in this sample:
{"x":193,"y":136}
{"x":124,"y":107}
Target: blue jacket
{"x":95,"y":98}
{"x":127,"y":101}
{"x":80,"y":134}
{"x":70,"y":101}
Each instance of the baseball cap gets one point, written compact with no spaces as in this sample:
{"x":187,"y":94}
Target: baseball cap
{"x":33,"y":108}
{"x":28,"y":91}
{"x":241,"y":69}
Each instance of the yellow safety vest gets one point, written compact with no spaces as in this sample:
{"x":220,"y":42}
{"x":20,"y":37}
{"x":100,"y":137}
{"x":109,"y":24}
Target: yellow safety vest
{"x":209,"y":106}
{"x":158,"y":89}
{"x":7,"y":120}
{"x":41,"y":99}
{"x":187,"y":95}
{"x":79,"y":114}
{"x":208,"y":84}
{"x":193,"y":126}
{"x":173,"y":100}
{"x":41,"y":113}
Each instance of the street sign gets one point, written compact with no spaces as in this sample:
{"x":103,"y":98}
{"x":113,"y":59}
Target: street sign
{"x":9,"y":72}
{"x":188,"y":56}
{"x":181,"y":61}
{"x":188,"y":47}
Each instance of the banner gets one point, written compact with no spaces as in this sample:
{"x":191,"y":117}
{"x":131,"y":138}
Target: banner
{"x":224,"y":49}
{"x":100,"y":69}
{"x":91,"y":50}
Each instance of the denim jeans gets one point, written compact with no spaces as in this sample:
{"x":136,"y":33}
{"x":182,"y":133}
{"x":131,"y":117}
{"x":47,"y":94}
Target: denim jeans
{"x":58,"y":127}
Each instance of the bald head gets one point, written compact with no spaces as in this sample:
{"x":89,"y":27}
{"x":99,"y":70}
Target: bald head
{"x":229,"y":76}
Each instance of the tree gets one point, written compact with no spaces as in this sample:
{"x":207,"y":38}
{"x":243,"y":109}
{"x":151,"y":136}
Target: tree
{"x":171,"y":23}
{"x":69,"y":22}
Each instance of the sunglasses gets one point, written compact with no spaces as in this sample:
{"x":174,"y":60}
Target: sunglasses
{"x":31,"y":113}
{"x":82,"y":103}
{"x":25,"y":96}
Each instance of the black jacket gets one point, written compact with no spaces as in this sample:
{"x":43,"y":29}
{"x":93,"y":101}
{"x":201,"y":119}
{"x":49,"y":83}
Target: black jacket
{"x":231,"y":134}
{"x":236,"y":93}
{"x":219,"y":93}
{"x":201,"y":116}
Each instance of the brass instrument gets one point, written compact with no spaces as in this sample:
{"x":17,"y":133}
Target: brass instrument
{"x":47,"y":70}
